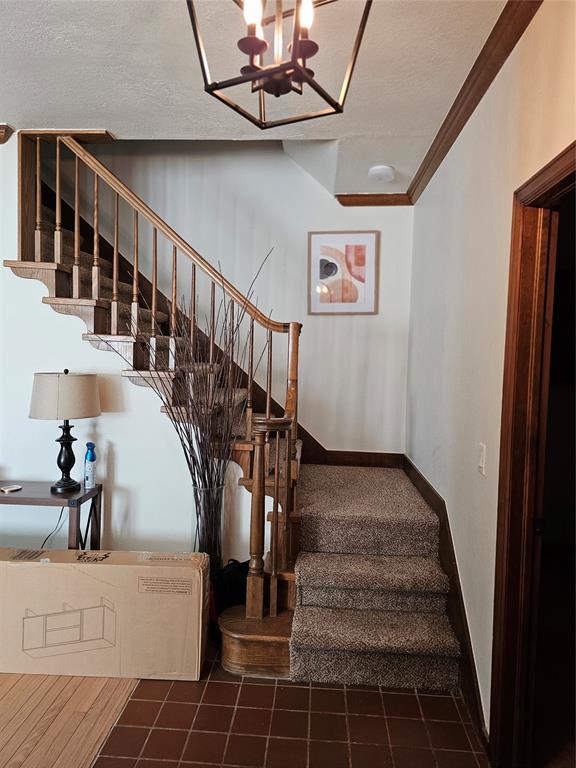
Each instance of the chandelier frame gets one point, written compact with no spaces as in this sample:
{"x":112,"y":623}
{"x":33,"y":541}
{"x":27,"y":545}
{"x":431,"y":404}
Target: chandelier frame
{"x":291,"y":66}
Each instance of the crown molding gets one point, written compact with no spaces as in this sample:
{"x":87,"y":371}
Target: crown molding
{"x":400,"y":198}
{"x":507,"y":31}
{"x":509,"y":28}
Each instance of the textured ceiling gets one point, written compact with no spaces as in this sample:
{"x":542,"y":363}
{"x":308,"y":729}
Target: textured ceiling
{"x":130,"y":66}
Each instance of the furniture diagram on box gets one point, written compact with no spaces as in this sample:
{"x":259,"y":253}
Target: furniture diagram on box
{"x":71,"y":630}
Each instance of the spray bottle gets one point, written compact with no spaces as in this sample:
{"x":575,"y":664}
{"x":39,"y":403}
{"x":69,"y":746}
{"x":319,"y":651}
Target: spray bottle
{"x":90,"y":467}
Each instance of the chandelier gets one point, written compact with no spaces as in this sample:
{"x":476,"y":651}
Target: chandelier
{"x":278,"y":49}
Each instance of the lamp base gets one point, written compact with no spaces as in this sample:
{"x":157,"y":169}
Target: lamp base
{"x":65,"y":486}
{"x":66,"y":461}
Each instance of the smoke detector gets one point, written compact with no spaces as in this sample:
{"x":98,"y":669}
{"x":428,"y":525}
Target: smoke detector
{"x":383,"y":173}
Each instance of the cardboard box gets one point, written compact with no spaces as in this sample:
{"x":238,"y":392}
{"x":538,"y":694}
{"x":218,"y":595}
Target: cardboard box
{"x":111,"y":614}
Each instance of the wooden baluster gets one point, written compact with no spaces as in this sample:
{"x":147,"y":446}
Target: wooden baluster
{"x":268,"y":394}
{"x":154,"y":280}
{"x":135,"y":275}
{"x":249,"y":403}
{"x":274,"y":532}
{"x":114,"y":308}
{"x":255,"y":584}
{"x":212,"y":322}
{"x":173,"y":311}
{"x":174,"y":303}
{"x":38,"y":230}
{"x":286,"y":553}
{"x":212,"y":346}
{"x":231,"y":356}
{"x":193,"y":313}
{"x":154,"y":308}
{"x":58,"y":221}
{"x":76,"y":289}
{"x":269,"y":377}
{"x":96,"y":248}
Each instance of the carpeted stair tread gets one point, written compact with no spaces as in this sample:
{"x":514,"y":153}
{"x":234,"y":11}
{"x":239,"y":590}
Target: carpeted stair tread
{"x":370,"y":572}
{"x":392,"y":670}
{"x":360,"y":492}
{"x":395,"y":632}
{"x":365,"y":511}
{"x":371,"y":593}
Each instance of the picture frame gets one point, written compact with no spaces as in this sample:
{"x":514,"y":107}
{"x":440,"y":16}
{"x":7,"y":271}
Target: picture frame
{"x":343,"y":272}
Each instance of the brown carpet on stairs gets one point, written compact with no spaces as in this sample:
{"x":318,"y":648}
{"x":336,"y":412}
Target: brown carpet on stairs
{"x":371,"y":591}
{"x":380,"y":582}
{"x":364,"y":510}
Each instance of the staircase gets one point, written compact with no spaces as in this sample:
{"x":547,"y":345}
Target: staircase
{"x":62,"y":221}
{"x":371,"y":595}
{"x":351,"y":590}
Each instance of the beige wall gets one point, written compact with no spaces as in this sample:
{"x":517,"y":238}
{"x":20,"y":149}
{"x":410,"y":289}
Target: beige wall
{"x":234,"y":202}
{"x":462,"y":226}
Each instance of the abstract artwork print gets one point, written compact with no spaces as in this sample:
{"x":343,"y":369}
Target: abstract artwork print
{"x":343,"y":273}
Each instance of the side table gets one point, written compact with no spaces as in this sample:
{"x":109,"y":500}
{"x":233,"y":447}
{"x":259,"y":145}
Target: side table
{"x":37,"y":494}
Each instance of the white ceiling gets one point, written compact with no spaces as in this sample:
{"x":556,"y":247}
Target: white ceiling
{"x":131,"y":66}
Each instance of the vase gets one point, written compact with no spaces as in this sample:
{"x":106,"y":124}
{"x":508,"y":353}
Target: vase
{"x":208,"y":538}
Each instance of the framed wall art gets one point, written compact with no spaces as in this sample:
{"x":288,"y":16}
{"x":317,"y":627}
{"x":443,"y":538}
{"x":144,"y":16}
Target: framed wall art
{"x":343,"y":271}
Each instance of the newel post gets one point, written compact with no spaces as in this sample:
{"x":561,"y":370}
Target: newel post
{"x":255,"y":586}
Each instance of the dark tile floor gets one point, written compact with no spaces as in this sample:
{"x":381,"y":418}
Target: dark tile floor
{"x":229,"y":721}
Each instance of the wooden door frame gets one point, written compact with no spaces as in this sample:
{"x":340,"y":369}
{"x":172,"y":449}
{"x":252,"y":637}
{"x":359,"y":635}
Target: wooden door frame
{"x":521,"y":448}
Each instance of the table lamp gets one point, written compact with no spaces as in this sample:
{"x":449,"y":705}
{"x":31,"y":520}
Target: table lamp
{"x":65,"y":396}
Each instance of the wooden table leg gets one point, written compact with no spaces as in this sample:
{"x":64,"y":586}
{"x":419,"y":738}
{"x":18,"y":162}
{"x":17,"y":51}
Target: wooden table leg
{"x":96,"y":521}
{"x":74,"y":527}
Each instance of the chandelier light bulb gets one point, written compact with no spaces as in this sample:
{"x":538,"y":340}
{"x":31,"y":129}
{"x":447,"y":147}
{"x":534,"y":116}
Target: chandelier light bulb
{"x":306,"y":14}
{"x":253,"y":12}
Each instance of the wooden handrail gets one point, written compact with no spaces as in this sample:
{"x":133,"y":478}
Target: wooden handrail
{"x":140,"y":206}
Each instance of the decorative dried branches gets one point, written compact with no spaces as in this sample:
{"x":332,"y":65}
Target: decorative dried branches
{"x":197,"y":373}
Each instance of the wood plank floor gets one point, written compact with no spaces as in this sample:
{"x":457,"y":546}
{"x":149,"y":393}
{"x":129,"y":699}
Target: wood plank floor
{"x":51,"y":721}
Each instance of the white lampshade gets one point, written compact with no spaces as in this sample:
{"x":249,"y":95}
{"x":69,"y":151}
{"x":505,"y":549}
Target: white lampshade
{"x":65,"y":396}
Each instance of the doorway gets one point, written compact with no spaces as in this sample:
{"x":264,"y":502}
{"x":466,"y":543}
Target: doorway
{"x":552,"y":735}
{"x":532,"y":705}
